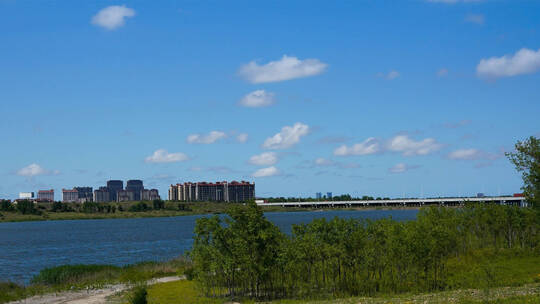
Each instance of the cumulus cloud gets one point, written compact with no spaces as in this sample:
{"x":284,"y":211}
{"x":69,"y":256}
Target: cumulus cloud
{"x":209,"y":138}
{"x":524,"y":61}
{"x":401,"y":168}
{"x":35,"y":170}
{"x":368,"y":146}
{"x":476,"y":19}
{"x":409,"y":147}
{"x":162,"y":156}
{"x":242,"y":137}
{"x":113,"y":17}
{"x":264,"y":159}
{"x":288,"y":137}
{"x":257,"y":99}
{"x":265,"y":172}
{"x":284,"y":69}
{"x":400,"y":143}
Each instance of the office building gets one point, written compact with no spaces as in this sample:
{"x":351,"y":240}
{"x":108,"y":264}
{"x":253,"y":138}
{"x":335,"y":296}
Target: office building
{"x":102,"y":195}
{"x":26,"y":195}
{"x":213,"y":192}
{"x":329,"y":195}
{"x":114,"y":186}
{"x":45,"y":195}
{"x":150,"y":195}
{"x":318,"y":195}
{"x":85,"y":194}
{"x":136,"y":187}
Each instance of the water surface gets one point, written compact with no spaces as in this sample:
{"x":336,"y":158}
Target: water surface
{"x":28,"y":247}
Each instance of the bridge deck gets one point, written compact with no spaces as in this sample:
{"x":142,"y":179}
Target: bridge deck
{"x":404,"y":202}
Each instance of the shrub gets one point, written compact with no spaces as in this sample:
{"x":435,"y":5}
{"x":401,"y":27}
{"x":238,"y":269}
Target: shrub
{"x":139,"y":295}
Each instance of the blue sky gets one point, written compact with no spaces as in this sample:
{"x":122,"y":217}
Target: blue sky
{"x":382,"y":98}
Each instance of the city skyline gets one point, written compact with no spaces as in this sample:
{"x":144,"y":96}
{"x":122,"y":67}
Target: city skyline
{"x":345,"y":99}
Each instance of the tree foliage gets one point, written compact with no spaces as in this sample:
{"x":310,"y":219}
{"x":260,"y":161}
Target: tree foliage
{"x":527,"y":161}
{"x":245,"y":255}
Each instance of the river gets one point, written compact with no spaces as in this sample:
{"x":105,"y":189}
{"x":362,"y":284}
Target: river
{"x":28,"y":247}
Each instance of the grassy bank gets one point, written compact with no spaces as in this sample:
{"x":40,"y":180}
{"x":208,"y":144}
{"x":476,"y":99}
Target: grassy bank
{"x":69,"y":277}
{"x":170,"y":293}
{"x":75,"y":211}
{"x":485,"y":276}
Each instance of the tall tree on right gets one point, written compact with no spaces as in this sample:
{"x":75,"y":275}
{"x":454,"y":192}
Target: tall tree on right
{"x":527,"y":161}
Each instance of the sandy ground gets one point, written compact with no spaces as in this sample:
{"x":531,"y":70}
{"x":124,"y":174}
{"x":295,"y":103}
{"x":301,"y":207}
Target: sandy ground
{"x":90,"y":296}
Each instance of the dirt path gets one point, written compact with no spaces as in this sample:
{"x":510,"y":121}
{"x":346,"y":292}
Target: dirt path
{"x":90,"y":296}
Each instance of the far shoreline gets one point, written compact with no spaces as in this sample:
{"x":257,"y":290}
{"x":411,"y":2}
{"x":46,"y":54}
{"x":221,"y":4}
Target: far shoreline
{"x":13,"y":217}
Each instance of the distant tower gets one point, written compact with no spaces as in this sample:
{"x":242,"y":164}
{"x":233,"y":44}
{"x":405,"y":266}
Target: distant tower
{"x":114,"y":186}
{"x":135,"y":186}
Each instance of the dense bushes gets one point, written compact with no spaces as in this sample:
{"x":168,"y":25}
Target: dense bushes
{"x":246,"y":255}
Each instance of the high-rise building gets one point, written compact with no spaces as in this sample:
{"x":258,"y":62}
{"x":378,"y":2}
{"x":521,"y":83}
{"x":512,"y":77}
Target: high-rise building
{"x":114,"y":186}
{"x":318,"y":195}
{"x":102,"y":195}
{"x":240,"y":191}
{"x":329,"y":195}
{"x":136,"y":187}
{"x":46,"y":195}
{"x":219,"y":191}
{"x":70,"y":196}
{"x":150,"y":195}
{"x":85,"y":194}
{"x":125,"y":196}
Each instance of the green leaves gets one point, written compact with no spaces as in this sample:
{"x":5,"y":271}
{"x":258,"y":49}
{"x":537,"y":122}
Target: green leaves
{"x":245,"y":255}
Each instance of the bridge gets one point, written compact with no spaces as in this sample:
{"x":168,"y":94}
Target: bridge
{"x":418,"y":202}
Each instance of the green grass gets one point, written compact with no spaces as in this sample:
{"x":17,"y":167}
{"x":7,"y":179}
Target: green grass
{"x":185,"y":292}
{"x":93,"y":276}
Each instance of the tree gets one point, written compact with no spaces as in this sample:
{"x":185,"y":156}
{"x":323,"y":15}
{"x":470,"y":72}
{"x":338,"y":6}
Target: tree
{"x":527,"y":161}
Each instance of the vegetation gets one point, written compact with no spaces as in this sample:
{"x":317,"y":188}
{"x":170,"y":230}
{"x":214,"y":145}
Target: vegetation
{"x":138,"y":295}
{"x":527,"y":161}
{"x":75,"y":211}
{"x":90,"y":276}
{"x":245,"y":255}
{"x":186,"y":292}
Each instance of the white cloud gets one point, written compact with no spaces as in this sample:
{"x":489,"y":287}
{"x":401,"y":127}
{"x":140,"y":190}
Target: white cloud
{"x":410,"y":147}
{"x":210,"y":138}
{"x":473,"y":154}
{"x":464,"y":154}
{"x":442,"y":72}
{"x":242,"y":137}
{"x":399,"y":143}
{"x":390,"y":76}
{"x":524,"y":61}
{"x":401,"y":167}
{"x":264,"y":159}
{"x":284,"y":69}
{"x":35,"y":170}
{"x":162,"y":156}
{"x":265,"y":172}
{"x":476,"y":19}
{"x":113,"y":17}
{"x":288,"y":137}
{"x":368,"y":146}
{"x":256,"y":99}
{"x":324,"y":162}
